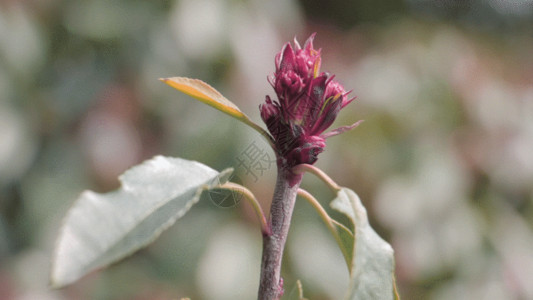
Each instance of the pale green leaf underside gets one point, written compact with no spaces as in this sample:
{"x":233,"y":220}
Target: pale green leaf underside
{"x":345,"y":241}
{"x":100,"y":229}
{"x":372,"y":266}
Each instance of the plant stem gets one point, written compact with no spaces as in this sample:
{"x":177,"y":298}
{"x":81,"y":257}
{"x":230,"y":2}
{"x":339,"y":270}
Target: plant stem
{"x":320,"y":210}
{"x":300,"y":169}
{"x":332,"y":225}
{"x":248,"y":195}
{"x":271,"y":283}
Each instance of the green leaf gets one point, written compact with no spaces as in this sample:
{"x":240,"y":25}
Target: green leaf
{"x":210,"y":96}
{"x":372,"y":265}
{"x":101,"y":229}
{"x":345,"y":241}
{"x":297,"y":292}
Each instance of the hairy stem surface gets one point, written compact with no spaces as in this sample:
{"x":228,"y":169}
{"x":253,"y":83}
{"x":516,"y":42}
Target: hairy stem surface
{"x":271,"y":284}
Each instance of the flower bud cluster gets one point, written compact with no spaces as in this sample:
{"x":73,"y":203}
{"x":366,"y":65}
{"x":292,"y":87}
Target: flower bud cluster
{"x":308,"y":102}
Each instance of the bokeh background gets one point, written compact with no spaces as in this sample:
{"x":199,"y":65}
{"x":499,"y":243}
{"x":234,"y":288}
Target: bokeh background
{"x":443,"y":161}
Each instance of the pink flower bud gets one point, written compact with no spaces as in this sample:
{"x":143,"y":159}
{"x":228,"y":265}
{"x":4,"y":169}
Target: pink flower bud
{"x":288,"y":84}
{"x":308,"y":103}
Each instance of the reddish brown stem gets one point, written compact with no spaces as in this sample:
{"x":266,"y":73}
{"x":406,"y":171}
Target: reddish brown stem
{"x":271,"y":283}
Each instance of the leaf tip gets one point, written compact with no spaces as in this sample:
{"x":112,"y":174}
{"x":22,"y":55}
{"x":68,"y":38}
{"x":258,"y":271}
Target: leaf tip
{"x":57,"y":278}
{"x":167,"y":80}
{"x":54,"y":282}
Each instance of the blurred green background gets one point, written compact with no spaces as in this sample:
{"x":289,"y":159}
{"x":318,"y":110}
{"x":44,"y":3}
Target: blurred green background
{"x":443,"y":161}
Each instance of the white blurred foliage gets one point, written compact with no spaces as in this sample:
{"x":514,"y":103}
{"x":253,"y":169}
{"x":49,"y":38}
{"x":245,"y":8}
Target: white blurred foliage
{"x":434,"y":226}
{"x":479,"y":278}
{"x":506,"y":274}
{"x":200,"y":27}
{"x":514,"y":167}
{"x":317,"y":260}
{"x":112,"y":144}
{"x":512,"y":237}
{"x":512,"y":7}
{"x":21,"y":43}
{"x":427,"y":210}
{"x":98,"y":19}
{"x":405,"y":76}
{"x":385,"y":82}
{"x":510,"y":157}
{"x":437,"y":184}
{"x":230,"y":267}
{"x":17,"y":144}
{"x":6,"y":86}
{"x":446,"y":46}
{"x":503,"y":113}
{"x":165,"y":59}
{"x":493,"y":105}
{"x":255,"y":40}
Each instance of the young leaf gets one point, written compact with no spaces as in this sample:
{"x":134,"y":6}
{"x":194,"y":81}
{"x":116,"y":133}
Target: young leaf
{"x":210,"y":96}
{"x":205,"y":93}
{"x":372,"y":267}
{"x":103,"y":228}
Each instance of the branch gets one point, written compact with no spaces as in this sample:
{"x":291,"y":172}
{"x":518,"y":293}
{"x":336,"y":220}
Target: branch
{"x":271,"y":283}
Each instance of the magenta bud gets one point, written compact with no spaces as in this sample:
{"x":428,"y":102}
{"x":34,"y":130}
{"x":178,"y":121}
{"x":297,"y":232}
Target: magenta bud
{"x":308,"y":102}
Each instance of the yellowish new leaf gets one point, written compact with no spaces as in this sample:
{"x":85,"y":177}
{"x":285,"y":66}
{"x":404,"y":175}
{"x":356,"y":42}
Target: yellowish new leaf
{"x":205,"y":93}
{"x":210,"y":96}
